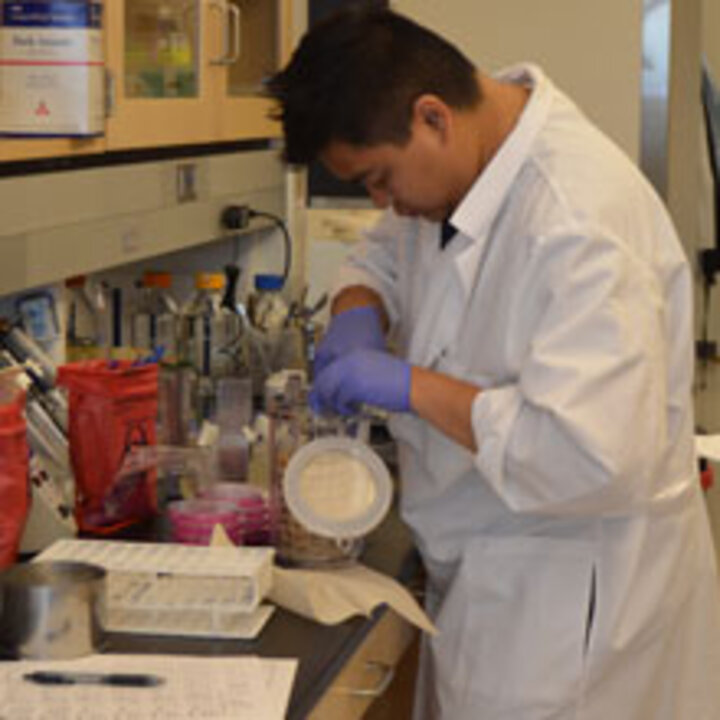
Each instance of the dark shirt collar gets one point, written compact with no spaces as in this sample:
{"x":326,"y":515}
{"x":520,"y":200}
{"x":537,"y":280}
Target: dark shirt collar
{"x":447,"y":233}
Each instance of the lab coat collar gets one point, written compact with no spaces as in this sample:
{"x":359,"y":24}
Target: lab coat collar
{"x":446,"y":301}
{"x":474,"y":215}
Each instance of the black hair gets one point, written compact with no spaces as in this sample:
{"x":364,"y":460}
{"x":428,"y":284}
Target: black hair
{"x":355,"y":76}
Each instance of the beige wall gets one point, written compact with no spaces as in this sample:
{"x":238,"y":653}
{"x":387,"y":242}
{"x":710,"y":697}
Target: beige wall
{"x":590,"y":49}
{"x":711,"y":35}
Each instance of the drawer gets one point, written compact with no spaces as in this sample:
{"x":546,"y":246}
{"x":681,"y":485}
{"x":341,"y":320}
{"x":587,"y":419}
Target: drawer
{"x":369,"y":672}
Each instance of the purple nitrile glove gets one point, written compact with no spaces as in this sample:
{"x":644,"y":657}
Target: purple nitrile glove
{"x":349,"y":330}
{"x":362,"y":377}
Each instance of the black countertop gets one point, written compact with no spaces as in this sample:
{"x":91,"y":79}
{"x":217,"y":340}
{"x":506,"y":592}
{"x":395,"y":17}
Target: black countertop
{"x":322,"y":650}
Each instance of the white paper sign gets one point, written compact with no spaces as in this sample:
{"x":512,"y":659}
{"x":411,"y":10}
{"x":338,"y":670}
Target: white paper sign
{"x":51,"y":68}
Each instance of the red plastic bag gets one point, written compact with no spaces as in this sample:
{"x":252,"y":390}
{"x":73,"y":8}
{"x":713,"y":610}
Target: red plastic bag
{"x":112,"y":408}
{"x":14,"y":487}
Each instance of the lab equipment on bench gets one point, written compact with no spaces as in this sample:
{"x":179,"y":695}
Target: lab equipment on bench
{"x":113,"y":408}
{"x":234,"y":414}
{"x":171,"y":589}
{"x":155,"y":321}
{"x":328,"y":488}
{"x":46,"y":412}
{"x":193,"y":521}
{"x":212,"y":339}
{"x":89,"y":319}
{"x":51,"y":610}
{"x":13,"y":469}
{"x":251,"y":510}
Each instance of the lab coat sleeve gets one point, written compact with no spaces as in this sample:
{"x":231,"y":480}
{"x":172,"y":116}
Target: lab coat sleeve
{"x":373,"y":263}
{"x":583,"y":426}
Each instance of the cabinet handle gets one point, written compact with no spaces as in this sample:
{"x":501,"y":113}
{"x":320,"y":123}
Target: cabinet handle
{"x":221,"y":7}
{"x":387,"y":674}
{"x":235,"y":24}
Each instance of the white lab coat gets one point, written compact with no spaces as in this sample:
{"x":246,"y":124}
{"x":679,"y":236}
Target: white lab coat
{"x":571,"y":568}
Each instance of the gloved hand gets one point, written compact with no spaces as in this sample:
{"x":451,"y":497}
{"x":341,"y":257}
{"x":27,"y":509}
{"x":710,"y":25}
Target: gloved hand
{"x":362,"y":377}
{"x":349,"y":330}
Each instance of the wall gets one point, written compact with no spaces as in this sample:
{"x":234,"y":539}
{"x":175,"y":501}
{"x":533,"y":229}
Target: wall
{"x":590,"y":49}
{"x":578,"y":44}
{"x":711,"y":35}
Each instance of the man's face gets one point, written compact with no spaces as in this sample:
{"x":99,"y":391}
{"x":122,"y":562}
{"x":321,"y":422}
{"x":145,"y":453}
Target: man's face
{"x":412,"y":178}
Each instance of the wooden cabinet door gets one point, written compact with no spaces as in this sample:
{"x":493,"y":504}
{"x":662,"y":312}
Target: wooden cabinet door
{"x":260,"y":32}
{"x":160,"y":55}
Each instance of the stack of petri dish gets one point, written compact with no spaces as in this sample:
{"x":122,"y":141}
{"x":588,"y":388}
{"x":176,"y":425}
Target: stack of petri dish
{"x":251,"y":509}
{"x":192,"y":521}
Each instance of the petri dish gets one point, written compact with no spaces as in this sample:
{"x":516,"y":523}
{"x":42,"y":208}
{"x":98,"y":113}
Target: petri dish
{"x":337,"y":487}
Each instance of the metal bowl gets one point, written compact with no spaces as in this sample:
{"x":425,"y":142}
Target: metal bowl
{"x":51,"y":610}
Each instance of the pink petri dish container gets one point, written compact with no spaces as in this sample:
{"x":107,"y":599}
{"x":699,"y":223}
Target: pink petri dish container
{"x":192,"y":521}
{"x":253,"y":514}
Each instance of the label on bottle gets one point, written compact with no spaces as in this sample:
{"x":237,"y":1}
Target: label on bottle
{"x":51,"y":69}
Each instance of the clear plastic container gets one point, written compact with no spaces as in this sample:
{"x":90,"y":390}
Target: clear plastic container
{"x":177,"y":424}
{"x":234,"y":414}
{"x":156,"y":317}
{"x":292,"y":426}
{"x":88,"y":319}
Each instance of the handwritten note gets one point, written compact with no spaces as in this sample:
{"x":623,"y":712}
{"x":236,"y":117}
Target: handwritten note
{"x":195,"y":688}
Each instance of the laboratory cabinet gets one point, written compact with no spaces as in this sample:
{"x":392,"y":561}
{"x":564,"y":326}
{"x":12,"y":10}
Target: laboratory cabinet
{"x":365,"y":686}
{"x":180,"y":72}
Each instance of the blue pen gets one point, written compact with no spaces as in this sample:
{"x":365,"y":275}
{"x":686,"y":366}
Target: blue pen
{"x":47,"y":677}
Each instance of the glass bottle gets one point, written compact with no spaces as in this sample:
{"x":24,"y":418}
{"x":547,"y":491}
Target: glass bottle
{"x":212,"y":339}
{"x":277,"y":340}
{"x":155,"y":320}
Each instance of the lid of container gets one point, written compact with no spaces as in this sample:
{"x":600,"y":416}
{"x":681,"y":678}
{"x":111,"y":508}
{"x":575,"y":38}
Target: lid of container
{"x":77,"y":281}
{"x":209,"y":281}
{"x":269,"y":282}
{"x":337,"y":487}
{"x":51,"y":573}
{"x":157,"y":279}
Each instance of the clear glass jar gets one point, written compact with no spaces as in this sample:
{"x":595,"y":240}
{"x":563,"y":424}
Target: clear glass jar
{"x":291,"y":426}
{"x":155,"y":320}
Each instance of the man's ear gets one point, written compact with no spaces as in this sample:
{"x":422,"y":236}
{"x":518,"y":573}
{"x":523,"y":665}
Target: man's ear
{"x":432,"y":112}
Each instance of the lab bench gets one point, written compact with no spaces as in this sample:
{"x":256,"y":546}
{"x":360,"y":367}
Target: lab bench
{"x":343,"y":669}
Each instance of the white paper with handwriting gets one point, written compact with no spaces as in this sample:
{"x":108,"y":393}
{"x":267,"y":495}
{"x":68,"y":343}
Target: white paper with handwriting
{"x":217,"y":688}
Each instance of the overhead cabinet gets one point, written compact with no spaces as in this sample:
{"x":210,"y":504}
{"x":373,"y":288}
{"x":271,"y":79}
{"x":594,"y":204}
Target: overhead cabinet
{"x":181,"y":72}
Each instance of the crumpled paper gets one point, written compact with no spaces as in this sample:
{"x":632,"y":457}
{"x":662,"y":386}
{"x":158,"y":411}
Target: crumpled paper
{"x":332,"y":596}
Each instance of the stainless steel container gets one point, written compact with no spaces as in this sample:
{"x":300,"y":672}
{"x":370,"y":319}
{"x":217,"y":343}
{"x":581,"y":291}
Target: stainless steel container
{"x":51,"y":610}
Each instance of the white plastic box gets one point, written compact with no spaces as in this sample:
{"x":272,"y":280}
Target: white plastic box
{"x":171,"y":589}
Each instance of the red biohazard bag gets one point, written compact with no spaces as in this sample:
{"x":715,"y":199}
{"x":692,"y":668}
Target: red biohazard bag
{"x":112,"y":408}
{"x":14,"y":488}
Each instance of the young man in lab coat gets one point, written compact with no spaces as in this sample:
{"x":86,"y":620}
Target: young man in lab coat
{"x":541,"y":385}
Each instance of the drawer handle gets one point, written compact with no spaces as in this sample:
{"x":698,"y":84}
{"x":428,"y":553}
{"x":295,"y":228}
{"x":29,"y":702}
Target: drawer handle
{"x":387,"y":673}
